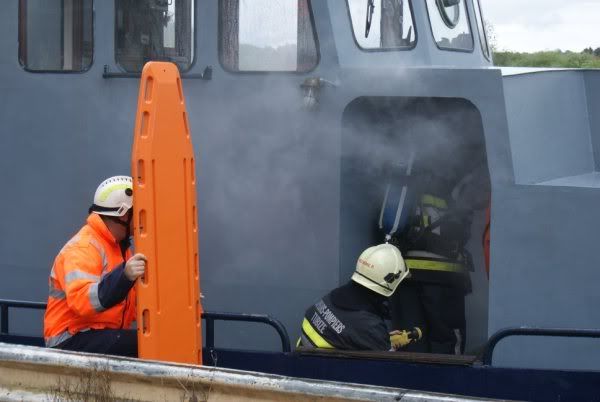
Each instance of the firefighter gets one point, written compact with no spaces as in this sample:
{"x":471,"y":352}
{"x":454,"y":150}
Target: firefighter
{"x":486,"y":240}
{"x":428,"y":216}
{"x":352,"y":317}
{"x":91,"y":301}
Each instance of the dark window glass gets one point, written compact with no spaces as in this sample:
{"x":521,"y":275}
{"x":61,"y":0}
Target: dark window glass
{"x":158,"y":30}
{"x":382,"y":24}
{"x":450,"y":24}
{"x":56,"y":35}
{"x":267,"y":35}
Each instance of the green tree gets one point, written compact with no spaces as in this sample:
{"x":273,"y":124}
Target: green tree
{"x":588,"y":58}
{"x":555,"y":58}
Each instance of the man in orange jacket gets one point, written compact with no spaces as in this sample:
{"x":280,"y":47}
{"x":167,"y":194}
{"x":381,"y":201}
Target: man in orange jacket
{"x":91,"y":301}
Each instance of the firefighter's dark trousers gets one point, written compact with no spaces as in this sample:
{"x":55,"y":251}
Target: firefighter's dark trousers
{"x":120,"y":342}
{"x":438,"y":310}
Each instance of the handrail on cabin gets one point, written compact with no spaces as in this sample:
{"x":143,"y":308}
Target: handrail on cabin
{"x":488,"y":351}
{"x":206,"y":75}
{"x":209,"y":317}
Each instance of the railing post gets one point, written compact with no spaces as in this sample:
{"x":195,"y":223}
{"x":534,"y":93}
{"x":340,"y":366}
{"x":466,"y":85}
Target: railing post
{"x":210,"y":333}
{"x":3,"y":319}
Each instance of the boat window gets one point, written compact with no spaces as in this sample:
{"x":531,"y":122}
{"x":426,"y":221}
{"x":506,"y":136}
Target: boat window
{"x":382,"y":24}
{"x":56,"y":35}
{"x":267,"y":35}
{"x":159,"y":30}
{"x":482,"y":31}
{"x":450,"y":24}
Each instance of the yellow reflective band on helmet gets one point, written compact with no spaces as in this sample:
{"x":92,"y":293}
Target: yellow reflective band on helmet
{"x":434,"y":201}
{"x":314,"y":336}
{"x":425,"y":220}
{"x":431,"y":265}
{"x":106,"y":192}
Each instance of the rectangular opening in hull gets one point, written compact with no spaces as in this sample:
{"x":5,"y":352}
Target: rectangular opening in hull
{"x":414,"y":172}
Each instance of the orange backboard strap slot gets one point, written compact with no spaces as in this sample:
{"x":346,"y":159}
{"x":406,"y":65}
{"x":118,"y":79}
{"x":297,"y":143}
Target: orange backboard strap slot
{"x":165,"y":220}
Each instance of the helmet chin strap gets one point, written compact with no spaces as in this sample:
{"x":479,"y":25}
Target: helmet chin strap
{"x":126,"y":224}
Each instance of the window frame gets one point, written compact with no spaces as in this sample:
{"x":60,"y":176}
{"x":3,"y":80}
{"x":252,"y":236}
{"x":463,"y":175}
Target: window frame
{"x":487,"y":51}
{"x":385,"y":49}
{"x":450,"y":49}
{"x":22,"y":34}
{"x":194,"y":3}
{"x":254,"y":72}
{"x":442,"y":9}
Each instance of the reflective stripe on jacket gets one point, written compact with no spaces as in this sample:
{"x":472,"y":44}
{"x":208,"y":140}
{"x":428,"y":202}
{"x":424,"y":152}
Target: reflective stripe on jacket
{"x":433,"y":248}
{"x":329,"y":325}
{"x":87,"y":285}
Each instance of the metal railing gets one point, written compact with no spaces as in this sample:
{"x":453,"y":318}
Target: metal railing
{"x":211,"y":317}
{"x":208,"y":317}
{"x":4,"y":306}
{"x":488,"y":352}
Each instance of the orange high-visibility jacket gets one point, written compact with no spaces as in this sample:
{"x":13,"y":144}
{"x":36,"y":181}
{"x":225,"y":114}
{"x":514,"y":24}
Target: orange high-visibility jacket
{"x":87,"y":285}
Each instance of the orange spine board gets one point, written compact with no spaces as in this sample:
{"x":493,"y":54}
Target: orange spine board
{"x":165,"y":220}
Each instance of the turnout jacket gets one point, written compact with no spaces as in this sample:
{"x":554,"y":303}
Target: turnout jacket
{"x":88,"y":288}
{"x":350,"y":317}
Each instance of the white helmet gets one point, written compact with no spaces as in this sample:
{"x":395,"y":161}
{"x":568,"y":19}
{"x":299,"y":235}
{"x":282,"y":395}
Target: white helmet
{"x":114,"y":196}
{"x":380,"y":268}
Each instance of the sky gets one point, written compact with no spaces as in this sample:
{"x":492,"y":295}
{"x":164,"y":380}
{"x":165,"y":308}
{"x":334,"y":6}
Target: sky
{"x":519,"y":25}
{"x":534,"y":25}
